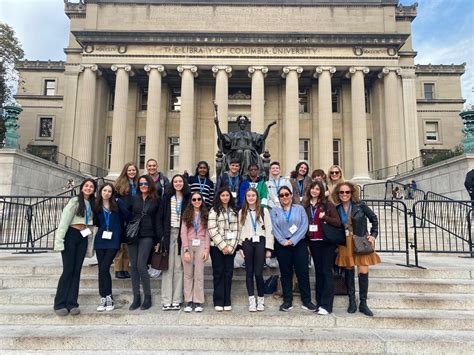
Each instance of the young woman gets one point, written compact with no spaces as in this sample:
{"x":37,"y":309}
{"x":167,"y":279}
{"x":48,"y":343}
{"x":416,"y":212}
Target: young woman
{"x":223,"y":230}
{"x":74,"y":227}
{"x":126,"y":186}
{"x":194,"y":251}
{"x":146,"y":203}
{"x":300,"y":182}
{"x":319,"y":210}
{"x":202,"y":183}
{"x":109,"y":217}
{"x":175,"y":199}
{"x":354,"y":215}
{"x":334,"y":177}
{"x":256,"y":241}
{"x":290,"y":225}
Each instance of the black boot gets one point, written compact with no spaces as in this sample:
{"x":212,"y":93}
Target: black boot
{"x":350,"y":283}
{"x":363,"y":289}
{"x":136,"y":302}
{"x":146,"y":302}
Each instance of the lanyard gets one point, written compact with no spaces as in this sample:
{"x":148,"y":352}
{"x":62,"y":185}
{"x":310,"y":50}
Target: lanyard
{"x":88,"y":211}
{"x":313,"y":212}
{"x":300,"y":186}
{"x":133,"y":189}
{"x":233,"y":182}
{"x":201,"y":184}
{"x":196,"y":223}
{"x":344,"y":215}
{"x":254,"y":220}
{"x":106,"y":217}
{"x":178,"y":206}
{"x":288,"y":215}
{"x":277,"y":185}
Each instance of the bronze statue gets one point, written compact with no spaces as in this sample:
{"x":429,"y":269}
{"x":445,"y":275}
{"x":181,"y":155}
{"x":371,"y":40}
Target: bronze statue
{"x":242,"y":145}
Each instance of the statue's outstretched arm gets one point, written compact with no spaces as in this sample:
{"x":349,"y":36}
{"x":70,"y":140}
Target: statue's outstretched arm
{"x":267,"y":130}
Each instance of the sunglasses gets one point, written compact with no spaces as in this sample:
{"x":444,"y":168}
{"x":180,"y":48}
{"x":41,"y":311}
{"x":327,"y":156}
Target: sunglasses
{"x":335,"y":173}
{"x":196,"y":199}
{"x":344,"y":192}
{"x":284,"y":195}
{"x":143,"y":184}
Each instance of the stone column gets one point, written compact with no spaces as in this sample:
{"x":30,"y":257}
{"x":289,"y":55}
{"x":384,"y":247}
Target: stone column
{"x":258,"y":74}
{"x":153,"y":117}
{"x":392,"y":116}
{"x":359,"y":123}
{"x":85,"y":135}
{"x":222,"y":73}
{"x":291,"y":127}
{"x":325,"y":131}
{"x":71,"y":75}
{"x":410,"y":113}
{"x":119,"y":124}
{"x":186,"y":123}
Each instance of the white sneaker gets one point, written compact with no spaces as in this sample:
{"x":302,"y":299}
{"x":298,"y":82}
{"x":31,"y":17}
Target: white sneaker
{"x":252,"y":304}
{"x":227,"y":308}
{"x":198,"y":307}
{"x":189,"y":307}
{"x":219,"y":308}
{"x":322,"y":311}
{"x":260,"y":304}
{"x":175,"y":307}
{"x":154,"y":274}
{"x":102,"y":305}
{"x":109,"y":303}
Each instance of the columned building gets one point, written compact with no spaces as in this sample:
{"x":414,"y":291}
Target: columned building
{"x":141,"y":78}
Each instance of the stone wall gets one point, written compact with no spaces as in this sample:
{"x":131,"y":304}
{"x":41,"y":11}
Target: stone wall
{"x":27,"y":175}
{"x":446,"y":177}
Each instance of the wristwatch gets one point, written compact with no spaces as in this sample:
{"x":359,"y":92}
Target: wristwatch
{"x":186,"y":250}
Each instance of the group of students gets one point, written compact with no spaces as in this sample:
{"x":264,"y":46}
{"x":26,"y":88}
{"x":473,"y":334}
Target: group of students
{"x":191,"y":218}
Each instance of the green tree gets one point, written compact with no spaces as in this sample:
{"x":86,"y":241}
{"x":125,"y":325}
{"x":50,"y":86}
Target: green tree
{"x":10,"y":54}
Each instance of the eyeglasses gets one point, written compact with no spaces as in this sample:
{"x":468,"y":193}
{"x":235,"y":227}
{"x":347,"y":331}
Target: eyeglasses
{"x":334,"y":172}
{"x":344,"y":192}
{"x":143,"y":184}
{"x":196,"y":199}
{"x":284,"y":195}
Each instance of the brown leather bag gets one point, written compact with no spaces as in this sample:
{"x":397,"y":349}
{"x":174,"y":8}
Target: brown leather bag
{"x":160,"y":259}
{"x":362,"y":246}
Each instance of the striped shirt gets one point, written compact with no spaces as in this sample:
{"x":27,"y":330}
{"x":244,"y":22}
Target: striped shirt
{"x":176,"y":211}
{"x":204,"y":186}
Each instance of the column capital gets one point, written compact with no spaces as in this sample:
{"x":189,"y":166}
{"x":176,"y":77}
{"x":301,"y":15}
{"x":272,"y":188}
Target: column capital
{"x":353,"y":70}
{"x":252,"y":69}
{"x":126,"y":67}
{"x":73,"y":69}
{"x":387,"y":70}
{"x":93,"y":67}
{"x":192,"y":68}
{"x":408,"y":73}
{"x":161,"y":69}
{"x":321,"y":69}
{"x":226,"y":68}
{"x":288,"y":69}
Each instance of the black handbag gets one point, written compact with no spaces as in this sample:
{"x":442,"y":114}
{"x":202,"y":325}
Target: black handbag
{"x":333,"y":234}
{"x":362,"y":246}
{"x":131,"y":231}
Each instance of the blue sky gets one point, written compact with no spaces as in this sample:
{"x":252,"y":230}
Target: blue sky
{"x":443,"y":32}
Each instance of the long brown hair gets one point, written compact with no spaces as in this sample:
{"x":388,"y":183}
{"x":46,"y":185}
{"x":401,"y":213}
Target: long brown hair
{"x":151,"y":186}
{"x":322,"y":196}
{"x":188,"y":214}
{"x":245,"y":208}
{"x":99,"y":202}
{"x":122,"y":184}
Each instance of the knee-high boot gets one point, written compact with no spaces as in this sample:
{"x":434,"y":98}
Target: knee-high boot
{"x":363,"y":290}
{"x":350,"y":283}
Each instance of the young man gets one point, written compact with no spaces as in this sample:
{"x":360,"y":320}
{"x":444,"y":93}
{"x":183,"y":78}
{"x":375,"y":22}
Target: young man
{"x":275,"y":181}
{"x":255,"y":181}
{"x":233,"y":179}
{"x":161,"y":180}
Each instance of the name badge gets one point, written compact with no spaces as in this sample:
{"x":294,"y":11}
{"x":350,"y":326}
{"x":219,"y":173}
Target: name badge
{"x":86,"y":232}
{"x":106,"y":235}
{"x":231,"y":235}
{"x":301,"y":198}
{"x":313,"y":227}
{"x":255,"y":238}
{"x":196,"y":242}
{"x":293,"y":229}
{"x":234,"y":194}
{"x":347,"y":232}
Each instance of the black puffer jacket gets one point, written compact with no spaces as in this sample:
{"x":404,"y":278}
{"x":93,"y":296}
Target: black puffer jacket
{"x":149,"y":222}
{"x":359,"y":214}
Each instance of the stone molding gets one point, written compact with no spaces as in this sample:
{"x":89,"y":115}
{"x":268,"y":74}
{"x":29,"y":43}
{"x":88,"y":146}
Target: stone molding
{"x":319,"y":70}
{"x":161,"y":69}
{"x":352,"y":70}
{"x":93,"y":67}
{"x":386,"y":70}
{"x":288,"y":69}
{"x":192,"y":68}
{"x":440,"y":68}
{"x":126,"y":67}
{"x":226,"y":68}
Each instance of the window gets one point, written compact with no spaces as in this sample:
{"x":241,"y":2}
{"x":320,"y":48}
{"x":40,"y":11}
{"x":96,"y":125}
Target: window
{"x":336,"y":151}
{"x":432,"y":131}
{"x":369,"y":155}
{"x":111,"y":99}
{"x":45,"y":127}
{"x":335,"y":99}
{"x":49,"y":87}
{"x":143,"y":100}
{"x":173,"y":153}
{"x":428,"y":89}
{"x":175,"y":104}
{"x":304,"y":100}
{"x":304,"y":149}
{"x":108,"y":151}
{"x":367,"y":100}
{"x":141,"y":152}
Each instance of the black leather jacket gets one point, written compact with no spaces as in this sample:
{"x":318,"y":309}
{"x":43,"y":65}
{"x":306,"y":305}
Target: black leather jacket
{"x":359,"y":214}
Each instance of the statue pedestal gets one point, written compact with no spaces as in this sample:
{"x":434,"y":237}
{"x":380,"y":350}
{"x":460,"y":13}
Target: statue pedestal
{"x":468,"y":141}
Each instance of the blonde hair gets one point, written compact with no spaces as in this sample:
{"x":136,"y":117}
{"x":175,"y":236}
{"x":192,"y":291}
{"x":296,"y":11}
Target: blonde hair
{"x":122,"y":184}
{"x":355,"y":195}
{"x":330,"y":183}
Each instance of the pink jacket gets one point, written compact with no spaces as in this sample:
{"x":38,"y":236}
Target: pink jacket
{"x":188,"y":234}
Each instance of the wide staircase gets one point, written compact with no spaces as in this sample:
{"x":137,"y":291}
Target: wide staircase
{"x":416,"y":311}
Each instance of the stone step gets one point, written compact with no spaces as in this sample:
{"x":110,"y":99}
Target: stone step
{"x":239,"y":316}
{"x":441,"y":301}
{"x":225,"y":338}
{"x":376,"y":284}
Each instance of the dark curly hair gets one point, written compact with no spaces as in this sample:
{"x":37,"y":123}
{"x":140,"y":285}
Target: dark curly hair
{"x":188,"y":214}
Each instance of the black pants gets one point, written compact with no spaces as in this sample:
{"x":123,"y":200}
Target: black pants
{"x":323,"y":259}
{"x":222,"y":271}
{"x":254,"y":256}
{"x":138,"y":253}
{"x":105,"y":257}
{"x":294,"y":258}
{"x":75,"y":247}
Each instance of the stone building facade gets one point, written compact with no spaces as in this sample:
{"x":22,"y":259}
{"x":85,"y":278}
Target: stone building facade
{"x":339,"y":77}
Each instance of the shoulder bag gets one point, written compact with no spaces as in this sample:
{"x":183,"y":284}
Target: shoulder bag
{"x":362,"y":246}
{"x":133,"y":227}
{"x":160,"y":259}
{"x":333,"y":234}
